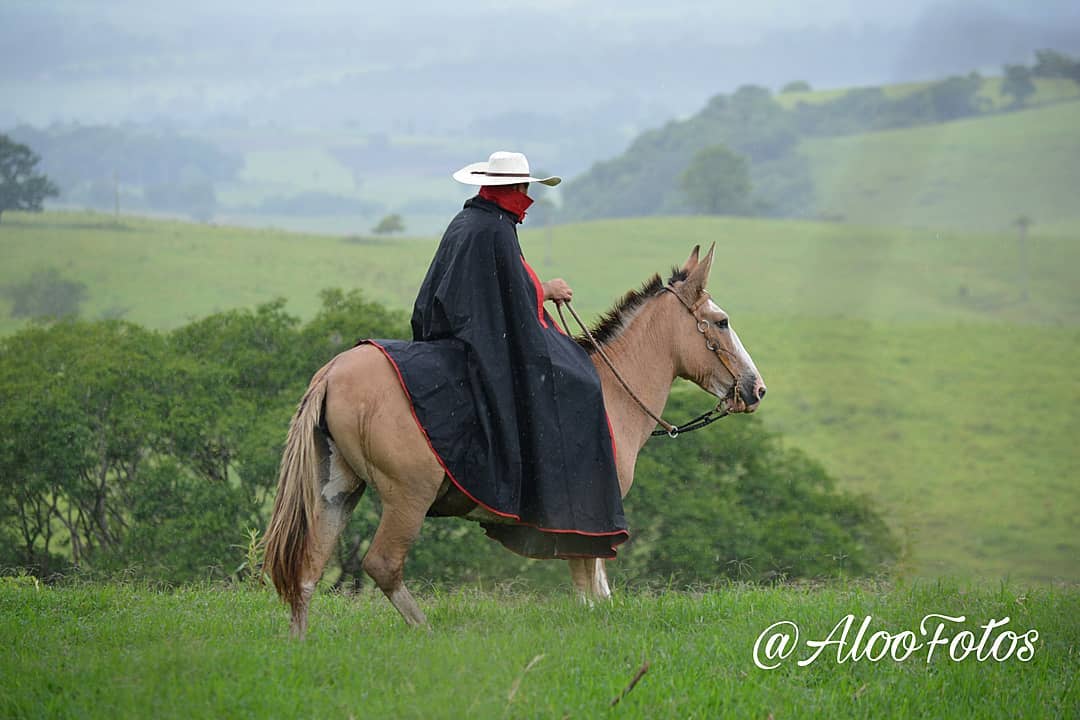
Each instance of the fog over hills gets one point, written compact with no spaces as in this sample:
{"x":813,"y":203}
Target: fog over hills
{"x":326,"y":116}
{"x":437,"y":67}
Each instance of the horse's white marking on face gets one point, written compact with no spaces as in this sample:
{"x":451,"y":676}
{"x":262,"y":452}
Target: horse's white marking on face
{"x":740,"y":352}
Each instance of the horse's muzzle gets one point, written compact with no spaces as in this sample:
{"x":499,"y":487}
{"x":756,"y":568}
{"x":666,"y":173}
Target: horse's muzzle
{"x":747,"y":394}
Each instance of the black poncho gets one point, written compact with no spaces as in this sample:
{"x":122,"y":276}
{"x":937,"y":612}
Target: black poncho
{"x":511,"y":406}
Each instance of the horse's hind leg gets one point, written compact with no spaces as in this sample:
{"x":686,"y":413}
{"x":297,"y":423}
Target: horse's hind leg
{"x":590,"y":579}
{"x":600,"y":583}
{"x":580,"y":576}
{"x":399,"y":526}
{"x":341,"y":490}
{"x":370,"y":415}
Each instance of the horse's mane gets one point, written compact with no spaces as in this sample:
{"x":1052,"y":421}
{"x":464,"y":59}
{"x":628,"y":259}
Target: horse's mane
{"x":611,"y":323}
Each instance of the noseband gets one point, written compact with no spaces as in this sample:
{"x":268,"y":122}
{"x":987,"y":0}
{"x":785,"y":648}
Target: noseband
{"x":670,"y":430}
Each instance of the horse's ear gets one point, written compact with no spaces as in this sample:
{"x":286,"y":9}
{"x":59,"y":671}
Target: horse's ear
{"x":699,"y":276}
{"x":692,"y":261}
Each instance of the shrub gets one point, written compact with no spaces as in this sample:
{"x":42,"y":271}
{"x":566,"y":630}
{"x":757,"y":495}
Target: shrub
{"x":46,"y":294}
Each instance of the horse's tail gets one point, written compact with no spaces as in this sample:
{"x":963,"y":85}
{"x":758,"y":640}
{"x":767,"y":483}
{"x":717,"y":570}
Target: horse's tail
{"x":293,"y":519}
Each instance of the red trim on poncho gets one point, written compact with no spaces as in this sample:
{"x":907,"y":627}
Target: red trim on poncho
{"x":405,"y":388}
{"x":539,"y":288}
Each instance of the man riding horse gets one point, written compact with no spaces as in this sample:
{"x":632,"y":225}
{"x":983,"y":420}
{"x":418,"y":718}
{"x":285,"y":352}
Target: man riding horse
{"x":495,"y":414}
{"x":510,"y":404}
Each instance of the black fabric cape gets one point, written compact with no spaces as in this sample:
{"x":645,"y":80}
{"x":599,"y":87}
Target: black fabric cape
{"x":511,"y":406}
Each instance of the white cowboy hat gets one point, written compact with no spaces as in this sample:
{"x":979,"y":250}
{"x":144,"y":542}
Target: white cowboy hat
{"x":502,"y":168}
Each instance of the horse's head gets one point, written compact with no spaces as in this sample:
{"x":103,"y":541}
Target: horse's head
{"x":708,"y":352}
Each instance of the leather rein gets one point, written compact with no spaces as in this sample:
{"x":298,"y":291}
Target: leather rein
{"x":672,"y":431}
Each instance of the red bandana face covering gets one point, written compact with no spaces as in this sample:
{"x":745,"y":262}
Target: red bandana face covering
{"x":509,"y":199}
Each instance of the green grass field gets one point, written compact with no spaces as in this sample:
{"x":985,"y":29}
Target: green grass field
{"x":165,"y":273}
{"x":905,"y":360}
{"x":977,"y":173}
{"x":119,"y":651}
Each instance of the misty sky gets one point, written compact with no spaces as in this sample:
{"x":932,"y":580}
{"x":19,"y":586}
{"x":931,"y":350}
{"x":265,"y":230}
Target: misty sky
{"x":384,"y":65}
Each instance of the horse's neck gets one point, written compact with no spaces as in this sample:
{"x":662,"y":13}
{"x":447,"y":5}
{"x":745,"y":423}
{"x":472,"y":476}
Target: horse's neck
{"x":642,"y":353}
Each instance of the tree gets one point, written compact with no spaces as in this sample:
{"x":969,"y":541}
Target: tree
{"x":389,"y":225}
{"x":126,"y":449}
{"x":952,"y":98}
{"x":82,"y":407}
{"x":45,"y":294}
{"x":717,"y":182}
{"x":796,"y":86}
{"x":21,"y":187}
{"x":1018,"y":84}
{"x":1051,"y":63}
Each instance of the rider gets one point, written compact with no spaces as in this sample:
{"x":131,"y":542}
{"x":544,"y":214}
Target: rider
{"x":512,"y":406}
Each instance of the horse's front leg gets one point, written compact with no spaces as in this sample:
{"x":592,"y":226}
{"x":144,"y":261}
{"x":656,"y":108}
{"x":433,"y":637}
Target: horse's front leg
{"x":590,"y":579}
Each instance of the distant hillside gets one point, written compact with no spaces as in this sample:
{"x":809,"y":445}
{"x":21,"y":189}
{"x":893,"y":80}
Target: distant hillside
{"x":645,"y":179}
{"x":977,"y":173}
{"x":959,"y":152}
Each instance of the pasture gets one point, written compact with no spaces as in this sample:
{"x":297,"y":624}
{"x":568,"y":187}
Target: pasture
{"x":91,"y":651}
{"x":904,"y":360}
{"x":976,"y":173}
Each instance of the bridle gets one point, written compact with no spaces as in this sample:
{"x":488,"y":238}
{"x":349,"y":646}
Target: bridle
{"x":702,"y":326}
{"x":706,"y":418}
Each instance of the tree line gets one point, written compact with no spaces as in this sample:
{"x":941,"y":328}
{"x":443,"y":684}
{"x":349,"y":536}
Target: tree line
{"x":739,"y":154}
{"x":155,"y":454}
{"x":141,"y":169}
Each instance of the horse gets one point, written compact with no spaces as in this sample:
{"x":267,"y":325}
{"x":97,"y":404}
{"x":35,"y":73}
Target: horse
{"x":355,"y":427}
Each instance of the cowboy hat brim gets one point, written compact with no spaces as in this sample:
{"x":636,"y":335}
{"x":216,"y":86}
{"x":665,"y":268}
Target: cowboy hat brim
{"x":477,"y":174}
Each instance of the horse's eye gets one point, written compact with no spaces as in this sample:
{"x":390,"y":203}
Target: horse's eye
{"x":722,"y":324}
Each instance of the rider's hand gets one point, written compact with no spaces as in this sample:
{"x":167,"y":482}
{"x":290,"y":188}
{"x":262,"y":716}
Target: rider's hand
{"x":557,"y":290}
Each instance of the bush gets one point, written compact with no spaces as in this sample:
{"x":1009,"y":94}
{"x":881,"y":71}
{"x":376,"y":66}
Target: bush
{"x":183,"y":528}
{"x":389,"y":225}
{"x":46,"y":294}
{"x":124,"y":447}
{"x":732,"y":501}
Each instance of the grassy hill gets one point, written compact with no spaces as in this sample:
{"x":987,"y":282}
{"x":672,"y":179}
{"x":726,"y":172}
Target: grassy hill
{"x":121,"y":651}
{"x":1047,"y":90}
{"x":163,"y":273}
{"x":905,"y":360}
{"x":950,"y":154}
{"x":979,"y":172}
